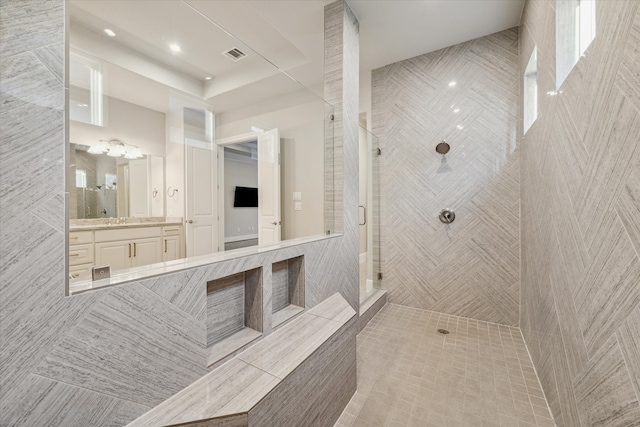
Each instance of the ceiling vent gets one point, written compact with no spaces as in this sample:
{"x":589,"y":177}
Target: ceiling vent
{"x":235,"y":54}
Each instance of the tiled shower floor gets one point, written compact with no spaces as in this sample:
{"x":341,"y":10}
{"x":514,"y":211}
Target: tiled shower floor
{"x":480,"y":374}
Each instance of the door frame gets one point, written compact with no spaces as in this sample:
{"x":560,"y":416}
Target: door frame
{"x":220,"y":144}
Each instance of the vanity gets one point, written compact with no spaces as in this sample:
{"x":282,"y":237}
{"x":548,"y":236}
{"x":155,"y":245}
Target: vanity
{"x":121,"y":246}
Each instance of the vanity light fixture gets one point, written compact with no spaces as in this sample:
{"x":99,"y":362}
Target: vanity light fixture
{"x":109,"y":32}
{"x":116,"y":148}
{"x":134,"y":153}
{"x":175,"y":47}
{"x":116,"y":151}
{"x":99,"y":148}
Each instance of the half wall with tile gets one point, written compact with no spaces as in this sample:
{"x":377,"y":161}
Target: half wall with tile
{"x":466,"y":94}
{"x":105,"y":357}
{"x":580,"y":312}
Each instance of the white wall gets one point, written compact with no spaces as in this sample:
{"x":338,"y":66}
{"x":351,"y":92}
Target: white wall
{"x":126,"y":122}
{"x":365,"y":95}
{"x":239,"y":221}
{"x":300,"y":119}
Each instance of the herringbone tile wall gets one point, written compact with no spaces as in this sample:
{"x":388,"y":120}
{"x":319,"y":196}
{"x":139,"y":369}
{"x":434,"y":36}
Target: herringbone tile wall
{"x":580,"y":312}
{"x":466,"y":94}
{"x":103,"y":358}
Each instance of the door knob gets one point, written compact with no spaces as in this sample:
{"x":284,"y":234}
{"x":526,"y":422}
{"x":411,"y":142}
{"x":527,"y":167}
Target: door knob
{"x":274,"y":223}
{"x":191,"y":221}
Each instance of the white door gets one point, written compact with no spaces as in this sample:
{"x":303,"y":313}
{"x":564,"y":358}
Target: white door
{"x":269,"y":224}
{"x":201,"y":203}
{"x":122,"y":179}
{"x":139,"y":188}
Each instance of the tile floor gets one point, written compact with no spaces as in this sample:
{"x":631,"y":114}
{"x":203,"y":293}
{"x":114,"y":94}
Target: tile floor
{"x":480,"y":374}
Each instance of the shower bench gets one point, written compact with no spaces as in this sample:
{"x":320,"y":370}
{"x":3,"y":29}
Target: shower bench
{"x":301,"y":375}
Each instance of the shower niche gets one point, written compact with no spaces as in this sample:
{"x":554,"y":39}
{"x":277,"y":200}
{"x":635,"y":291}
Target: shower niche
{"x":234,"y":313}
{"x":287,"y":298}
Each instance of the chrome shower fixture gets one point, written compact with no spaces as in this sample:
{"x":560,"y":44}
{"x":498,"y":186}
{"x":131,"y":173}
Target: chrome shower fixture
{"x":443,"y":148}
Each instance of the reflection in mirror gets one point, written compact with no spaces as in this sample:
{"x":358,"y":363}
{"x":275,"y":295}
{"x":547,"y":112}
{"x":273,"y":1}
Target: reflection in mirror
{"x":166,"y":129}
{"x":112,"y":186}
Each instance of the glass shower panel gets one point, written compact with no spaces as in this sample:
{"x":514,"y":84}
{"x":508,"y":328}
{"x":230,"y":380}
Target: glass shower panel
{"x":369,"y":214}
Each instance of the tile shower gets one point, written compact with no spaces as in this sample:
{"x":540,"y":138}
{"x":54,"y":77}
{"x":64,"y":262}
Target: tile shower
{"x":570,"y":280}
{"x":570,"y":284}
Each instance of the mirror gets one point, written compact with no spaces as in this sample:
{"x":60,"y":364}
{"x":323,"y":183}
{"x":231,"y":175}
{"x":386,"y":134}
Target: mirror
{"x":173,"y":123}
{"x":114,"y":187}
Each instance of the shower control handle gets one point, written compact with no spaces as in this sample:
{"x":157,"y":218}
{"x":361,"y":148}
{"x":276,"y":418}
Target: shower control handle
{"x":447,"y":216}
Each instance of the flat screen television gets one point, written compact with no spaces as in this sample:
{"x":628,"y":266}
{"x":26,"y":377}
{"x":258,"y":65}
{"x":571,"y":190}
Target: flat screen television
{"x":246,"y":197}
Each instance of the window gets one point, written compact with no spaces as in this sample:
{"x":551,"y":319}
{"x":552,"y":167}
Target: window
{"x":531,"y":91}
{"x":81,"y":178}
{"x":575,"y":30}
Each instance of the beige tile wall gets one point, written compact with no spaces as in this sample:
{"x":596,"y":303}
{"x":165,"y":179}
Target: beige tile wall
{"x":105,"y":357}
{"x":471,"y":267}
{"x":580,"y":186}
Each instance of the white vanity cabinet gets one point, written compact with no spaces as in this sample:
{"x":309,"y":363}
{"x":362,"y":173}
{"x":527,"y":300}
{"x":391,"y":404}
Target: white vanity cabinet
{"x":126,"y":248}
{"x":80,"y":254}
{"x":172,"y":242}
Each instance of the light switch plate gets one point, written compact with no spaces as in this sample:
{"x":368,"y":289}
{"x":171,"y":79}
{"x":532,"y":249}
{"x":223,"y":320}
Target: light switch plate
{"x":99,"y":273}
{"x":298,"y":206}
{"x":297,"y":195}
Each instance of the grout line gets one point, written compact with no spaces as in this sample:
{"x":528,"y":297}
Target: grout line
{"x":535,"y":371}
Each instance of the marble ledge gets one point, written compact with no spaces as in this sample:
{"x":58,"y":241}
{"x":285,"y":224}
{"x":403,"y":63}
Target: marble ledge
{"x":231,"y":344}
{"x":148,"y":271}
{"x":105,"y":224}
{"x":287,"y":347}
{"x":238,"y":385}
{"x":283,"y":315}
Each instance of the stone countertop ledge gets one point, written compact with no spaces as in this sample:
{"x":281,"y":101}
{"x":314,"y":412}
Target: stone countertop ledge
{"x":240,"y":384}
{"x":110,"y":223}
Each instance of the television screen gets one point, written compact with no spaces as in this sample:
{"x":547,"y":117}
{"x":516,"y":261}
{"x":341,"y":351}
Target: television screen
{"x":246,"y":197}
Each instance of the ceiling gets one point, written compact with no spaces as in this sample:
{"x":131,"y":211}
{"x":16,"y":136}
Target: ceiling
{"x":288,"y":33}
{"x":394,"y":30}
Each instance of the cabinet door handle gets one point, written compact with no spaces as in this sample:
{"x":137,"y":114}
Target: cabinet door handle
{"x":129,"y":250}
{"x":74,"y":254}
{"x":134,"y":250}
{"x":165,"y":245}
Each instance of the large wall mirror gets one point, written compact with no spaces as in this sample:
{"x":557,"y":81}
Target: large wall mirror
{"x":184,"y":142}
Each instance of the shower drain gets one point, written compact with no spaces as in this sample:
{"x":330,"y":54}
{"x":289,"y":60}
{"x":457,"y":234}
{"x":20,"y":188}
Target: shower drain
{"x":443,"y":331}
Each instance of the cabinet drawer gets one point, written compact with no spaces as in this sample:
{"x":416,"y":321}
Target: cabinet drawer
{"x":80,"y":254}
{"x":127,"y":234}
{"x":82,"y":271}
{"x":171,"y":230}
{"x":80,"y":237}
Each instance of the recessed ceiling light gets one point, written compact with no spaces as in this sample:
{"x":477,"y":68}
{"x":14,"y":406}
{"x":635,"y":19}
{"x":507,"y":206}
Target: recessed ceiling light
{"x":452,"y":84}
{"x":460,"y":127}
{"x":457,"y":110}
{"x":207,"y":78}
{"x":174,"y":47}
{"x":109,"y":32}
